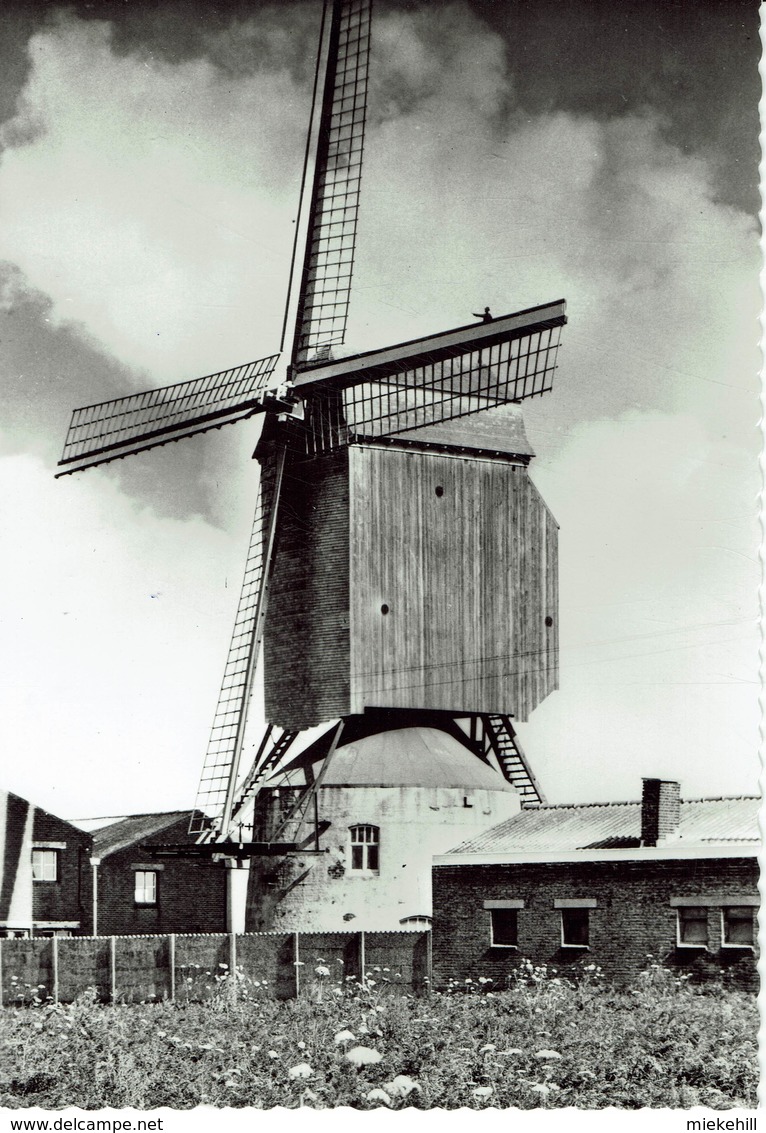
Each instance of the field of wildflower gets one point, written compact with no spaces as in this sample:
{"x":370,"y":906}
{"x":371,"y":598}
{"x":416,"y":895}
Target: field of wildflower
{"x":542,"y":1041}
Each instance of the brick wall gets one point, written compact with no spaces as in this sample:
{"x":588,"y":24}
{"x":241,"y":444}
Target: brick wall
{"x":191,"y":893}
{"x":67,"y":898}
{"x":633,"y":917}
{"x":306,"y":633}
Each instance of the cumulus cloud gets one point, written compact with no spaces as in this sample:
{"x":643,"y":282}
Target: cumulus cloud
{"x":153,"y":202}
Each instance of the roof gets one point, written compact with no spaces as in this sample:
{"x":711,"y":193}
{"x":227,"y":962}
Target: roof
{"x":404,"y":757}
{"x":136,"y":828}
{"x":614,"y":826}
{"x":497,"y":430}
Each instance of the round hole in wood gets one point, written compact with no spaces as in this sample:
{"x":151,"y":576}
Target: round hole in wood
{"x":439,"y":491}
{"x":384,"y":608}
{"x":549,"y":620}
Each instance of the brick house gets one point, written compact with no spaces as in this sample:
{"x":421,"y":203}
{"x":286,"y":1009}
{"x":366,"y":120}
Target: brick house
{"x":604,"y":883}
{"x":136,"y":894}
{"x":44,"y":872}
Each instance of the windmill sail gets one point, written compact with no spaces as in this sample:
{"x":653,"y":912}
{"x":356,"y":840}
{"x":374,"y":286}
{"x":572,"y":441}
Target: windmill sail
{"x":112,"y":429}
{"x":426,"y":381}
{"x":215,"y":794}
{"x":337,"y":142}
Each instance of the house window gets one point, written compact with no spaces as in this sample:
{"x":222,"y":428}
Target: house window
{"x":692,"y":926}
{"x":504,"y":922}
{"x":146,"y":887}
{"x":737,"y":927}
{"x":575,"y":928}
{"x":504,"y":928}
{"x":365,"y":847}
{"x":45,"y":865}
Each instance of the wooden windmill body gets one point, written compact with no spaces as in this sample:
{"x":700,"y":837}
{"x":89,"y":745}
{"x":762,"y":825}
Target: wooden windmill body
{"x":402,"y":566}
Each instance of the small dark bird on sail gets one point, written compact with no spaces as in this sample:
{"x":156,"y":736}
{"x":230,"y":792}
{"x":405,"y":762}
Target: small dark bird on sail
{"x":486,"y":317}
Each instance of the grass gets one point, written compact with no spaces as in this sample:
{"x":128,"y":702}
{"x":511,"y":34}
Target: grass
{"x":543,"y":1042}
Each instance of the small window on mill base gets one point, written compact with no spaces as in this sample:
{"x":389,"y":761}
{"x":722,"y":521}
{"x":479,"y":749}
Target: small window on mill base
{"x":365,"y":849}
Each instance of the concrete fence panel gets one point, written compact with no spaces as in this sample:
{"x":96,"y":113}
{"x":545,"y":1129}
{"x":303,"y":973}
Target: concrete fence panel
{"x":141,"y":968}
{"x":269,"y":957}
{"x":201,"y":962}
{"x":83,"y":962}
{"x":27,"y":970}
{"x":399,"y":959}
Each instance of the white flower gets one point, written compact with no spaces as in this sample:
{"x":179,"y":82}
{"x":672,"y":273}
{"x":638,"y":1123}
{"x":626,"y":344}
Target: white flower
{"x":344,"y":1037}
{"x":547,"y":1054}
{"x":302,"y":1070}
{"x":363,"y":1056}
{"x":482,"y":1091}
{"x":401,"y":1086}
{"x":301,"y":1045}
{"x":273,"y":1054}
{"x":540,"y":1088}
{"x":378,"y":1095}
{"x":322,"y":970}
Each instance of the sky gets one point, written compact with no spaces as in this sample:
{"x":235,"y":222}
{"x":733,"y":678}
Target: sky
{"x":516,"y":154}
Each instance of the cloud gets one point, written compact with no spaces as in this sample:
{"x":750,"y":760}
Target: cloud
{"x":153,"y":202}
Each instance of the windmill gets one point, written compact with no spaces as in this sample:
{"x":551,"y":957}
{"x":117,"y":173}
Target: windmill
{"x":402,"y":566}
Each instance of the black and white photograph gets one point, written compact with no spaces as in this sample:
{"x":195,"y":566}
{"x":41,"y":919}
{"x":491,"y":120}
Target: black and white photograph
{"x":379,"y":496}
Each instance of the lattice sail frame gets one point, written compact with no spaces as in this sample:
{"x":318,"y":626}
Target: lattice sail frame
{"x":441,"y":378}
{"x":218,"y":780}
{"x":113,"y":429}
{"x":325,"y":285}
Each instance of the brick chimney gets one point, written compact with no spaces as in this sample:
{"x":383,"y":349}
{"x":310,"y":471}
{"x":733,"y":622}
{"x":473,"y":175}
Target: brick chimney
{"x":660,"y":810}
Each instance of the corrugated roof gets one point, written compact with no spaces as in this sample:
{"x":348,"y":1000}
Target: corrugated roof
{"x":404,"y":757}
{"x":134,"y":829}
{"x":500,"y":429}
{"x":616,"y":825}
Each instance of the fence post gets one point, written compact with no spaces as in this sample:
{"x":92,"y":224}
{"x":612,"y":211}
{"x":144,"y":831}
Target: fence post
{"x":233,"y":966}
{"x":2,"y":1001}
{"x":362,"y":959}
{"x":55,"y":955}
{"x":172,"y":962}
{"x":296,"y":964}
{"x":112,"y":969}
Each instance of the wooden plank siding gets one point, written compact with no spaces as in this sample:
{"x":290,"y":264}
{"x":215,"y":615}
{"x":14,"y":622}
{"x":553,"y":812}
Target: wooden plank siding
{"x":306,"y":642}
{"x":468,"y":576}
